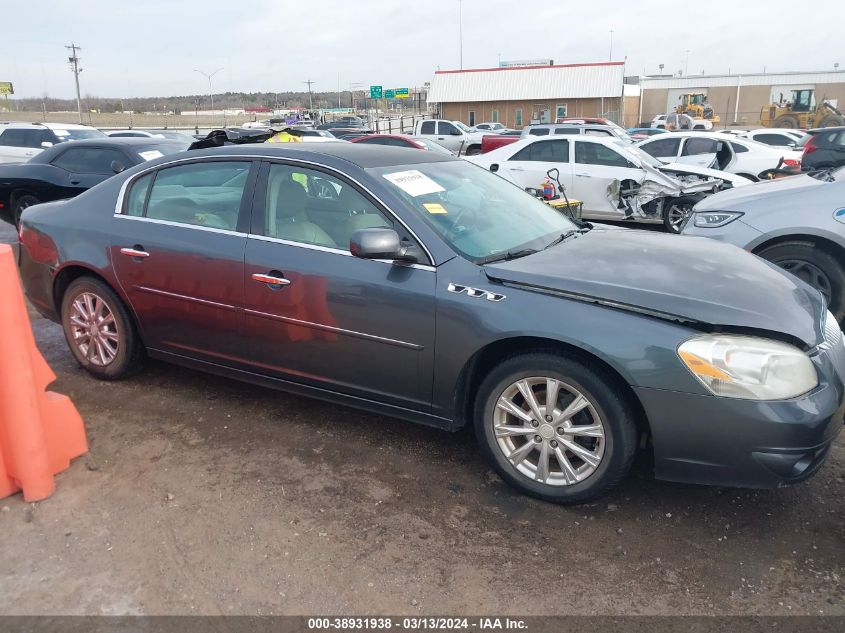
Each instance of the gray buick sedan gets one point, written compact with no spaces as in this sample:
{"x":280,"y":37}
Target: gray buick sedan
{"x":423,"y":287}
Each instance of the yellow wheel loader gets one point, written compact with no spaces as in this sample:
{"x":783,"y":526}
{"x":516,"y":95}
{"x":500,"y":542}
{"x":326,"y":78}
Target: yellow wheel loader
{"x":695,"y":104}
{"x":801,"y":112}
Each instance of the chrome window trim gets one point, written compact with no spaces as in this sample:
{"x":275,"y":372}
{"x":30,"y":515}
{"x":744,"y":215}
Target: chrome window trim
{"x":118,"y":209}
{"x":199,"y":227}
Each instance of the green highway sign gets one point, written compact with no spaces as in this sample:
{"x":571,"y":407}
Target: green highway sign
{"x":402,"y":93}
{"x":375,"y":92}
{"x":389,"y":94}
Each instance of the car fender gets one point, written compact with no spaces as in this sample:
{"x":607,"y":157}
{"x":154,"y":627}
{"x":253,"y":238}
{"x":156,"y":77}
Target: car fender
{"x":795,"y":232}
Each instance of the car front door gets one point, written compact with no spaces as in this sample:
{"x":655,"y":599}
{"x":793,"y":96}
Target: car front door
{"x":697,"y":150}
{"x":598,"y":173}
{"x":317,"y":315}
{"x":529,"y":166}
{"x":449,"y":136}
{"x":177,"y":250}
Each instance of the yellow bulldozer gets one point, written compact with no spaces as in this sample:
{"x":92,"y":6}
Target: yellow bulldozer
{"x":695,"y":104}
{"x":801,"y":112}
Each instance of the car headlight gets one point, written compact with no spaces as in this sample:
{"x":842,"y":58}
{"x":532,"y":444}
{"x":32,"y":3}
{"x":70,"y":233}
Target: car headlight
{"x":714,"y":219}
{"x":747,"y":367}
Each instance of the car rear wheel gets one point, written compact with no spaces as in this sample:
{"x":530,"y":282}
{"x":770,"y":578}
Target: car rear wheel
{"x":99,"y":331}
{"x":676,"y":212}
{"x":554,"y":428}
{"x":21,"y":203}
{"x":814,"y":266}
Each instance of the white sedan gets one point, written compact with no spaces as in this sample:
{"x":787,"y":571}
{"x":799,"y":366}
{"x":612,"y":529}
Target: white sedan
{"x":613,"y":179}
{"x":777,"y":137}
{"x":717,"y":150}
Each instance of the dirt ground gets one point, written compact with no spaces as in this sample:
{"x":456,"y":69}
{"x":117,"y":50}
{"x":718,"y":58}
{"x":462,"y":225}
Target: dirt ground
{"x":206,"y":496}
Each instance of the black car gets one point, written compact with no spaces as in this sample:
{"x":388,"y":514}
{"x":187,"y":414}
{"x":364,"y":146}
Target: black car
{"x":68,"y":169}
{"x":825,"y":148}
{"x":421,"y":286}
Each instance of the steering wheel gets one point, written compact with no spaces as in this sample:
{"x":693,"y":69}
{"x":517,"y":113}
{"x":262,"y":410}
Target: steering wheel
{"x":324,"y":190}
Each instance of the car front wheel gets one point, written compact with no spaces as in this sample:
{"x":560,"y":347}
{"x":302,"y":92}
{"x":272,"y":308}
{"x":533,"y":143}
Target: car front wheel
{"x":21,"y":203}
{"x":554,"y":428}
{"x":99,"y":331}
{"x":676,"y":212}
{"x":814,"y":266}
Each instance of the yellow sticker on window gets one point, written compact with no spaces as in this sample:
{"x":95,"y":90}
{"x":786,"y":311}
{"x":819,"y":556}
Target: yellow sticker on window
{"x":434,"y":208}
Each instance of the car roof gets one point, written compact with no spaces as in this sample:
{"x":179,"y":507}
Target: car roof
{"x":120,"y":140}
{"x":364,"y":156}
{"x":834,"y":128}
{"x":49,"y":126}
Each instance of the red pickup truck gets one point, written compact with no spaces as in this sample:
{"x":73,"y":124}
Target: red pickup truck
{"x":489,"y":142}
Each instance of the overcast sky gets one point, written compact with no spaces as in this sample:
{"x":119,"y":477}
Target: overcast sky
{"x":151,"y":47}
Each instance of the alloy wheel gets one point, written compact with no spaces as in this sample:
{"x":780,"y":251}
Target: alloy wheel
{"x":94,"y":329}
{"x":549,"y":431}
{"x":678,"y":213}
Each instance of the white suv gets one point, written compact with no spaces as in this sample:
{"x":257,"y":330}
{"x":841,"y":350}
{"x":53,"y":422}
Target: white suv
{"x":21,"y":141}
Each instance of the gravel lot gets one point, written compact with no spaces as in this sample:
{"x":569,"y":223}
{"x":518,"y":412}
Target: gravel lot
{"x":206,"y":496}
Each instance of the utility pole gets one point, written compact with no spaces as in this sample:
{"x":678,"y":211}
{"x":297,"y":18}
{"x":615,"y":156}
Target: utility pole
{"x":610,"y":57}
{"x":310,"y":98}
{"x":686,"y":65}
{"x":74,"y":65}
{"x":461,"y":32}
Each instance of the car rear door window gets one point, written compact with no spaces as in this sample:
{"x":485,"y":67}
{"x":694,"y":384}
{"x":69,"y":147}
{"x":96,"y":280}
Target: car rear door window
{"x":551,"y":151}
{"x":598,"y":154}
{"x":203,"y":194}
{"x":308,"y":206}
{"x":427,"y":127}
{"x":89,"y":160}
{"x":696,"y":146}
{"x":774,"y":139}
{"x":662,"y":147}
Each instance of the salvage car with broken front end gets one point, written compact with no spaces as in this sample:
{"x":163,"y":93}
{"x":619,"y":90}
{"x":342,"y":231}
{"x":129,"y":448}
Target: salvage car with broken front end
{"x":420,"y":286}
{"x":614,"y":179}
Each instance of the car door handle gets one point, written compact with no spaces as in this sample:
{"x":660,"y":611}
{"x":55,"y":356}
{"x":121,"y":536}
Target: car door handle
{"x":584,"y":175}
{"x":74,"y":182}
{"x":517,"y":169}
{"x":134,"y":252}
{"x":271,"y":280}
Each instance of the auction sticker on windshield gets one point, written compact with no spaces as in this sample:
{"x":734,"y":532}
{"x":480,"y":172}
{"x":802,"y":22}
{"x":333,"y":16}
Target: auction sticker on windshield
{"x":151,"y":154}
{"x":413,"y":182}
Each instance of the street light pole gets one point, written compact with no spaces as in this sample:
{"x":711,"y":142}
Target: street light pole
{"x":610,"y":57}
{"x":210,"y":89}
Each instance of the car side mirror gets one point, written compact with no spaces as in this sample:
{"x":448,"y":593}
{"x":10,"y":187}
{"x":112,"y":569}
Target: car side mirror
{"x":381,"y":244}
{"x":46,"y":144}
{"x":117,"y":166}
{"x":494,"y":167}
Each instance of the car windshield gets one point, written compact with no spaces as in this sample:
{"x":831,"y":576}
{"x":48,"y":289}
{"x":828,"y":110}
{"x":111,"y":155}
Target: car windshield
{"x":636,"y":154}
{"x":479,"y":214}
{"x":461,"y":126}
{"x":432,"y":146}
{"x":77,"y":135}
{"x":149,"y":152}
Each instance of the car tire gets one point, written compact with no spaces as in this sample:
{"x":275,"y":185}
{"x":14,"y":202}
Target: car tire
{"x":815,"y":266}
{"x":515,"y":443}
{"x":473,"y":150}
{"x":22,"y":202}
{"x":115,"y":351}
{"x":786,"y":121}
{"x":675,"y":213}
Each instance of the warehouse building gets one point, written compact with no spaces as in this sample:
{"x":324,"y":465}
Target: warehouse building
{"x":738,"y":99}
{"x":519,"y":95}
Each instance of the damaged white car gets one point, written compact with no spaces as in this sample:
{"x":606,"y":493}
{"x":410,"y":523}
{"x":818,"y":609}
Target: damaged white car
{"x":614,"y":180}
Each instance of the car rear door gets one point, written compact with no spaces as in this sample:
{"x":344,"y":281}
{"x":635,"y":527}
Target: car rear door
{"x":598,"y":171}
{"x":529,"y":166}
{"x":177,"y":250}
{"x":315,"y":314}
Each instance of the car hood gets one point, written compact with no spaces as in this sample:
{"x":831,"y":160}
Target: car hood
{"x":737,"y":199}
{"x":672,"y":277}
{"x":683,"y":168}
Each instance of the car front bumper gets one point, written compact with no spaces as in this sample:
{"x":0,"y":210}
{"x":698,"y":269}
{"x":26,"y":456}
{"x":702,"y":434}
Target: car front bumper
{"x":706,"y":439}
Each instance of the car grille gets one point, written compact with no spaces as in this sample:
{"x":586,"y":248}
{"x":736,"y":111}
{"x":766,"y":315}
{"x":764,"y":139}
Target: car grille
{"x":835,"y":344}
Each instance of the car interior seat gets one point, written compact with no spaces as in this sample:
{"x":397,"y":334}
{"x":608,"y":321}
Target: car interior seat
{"x":287,"y":217}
